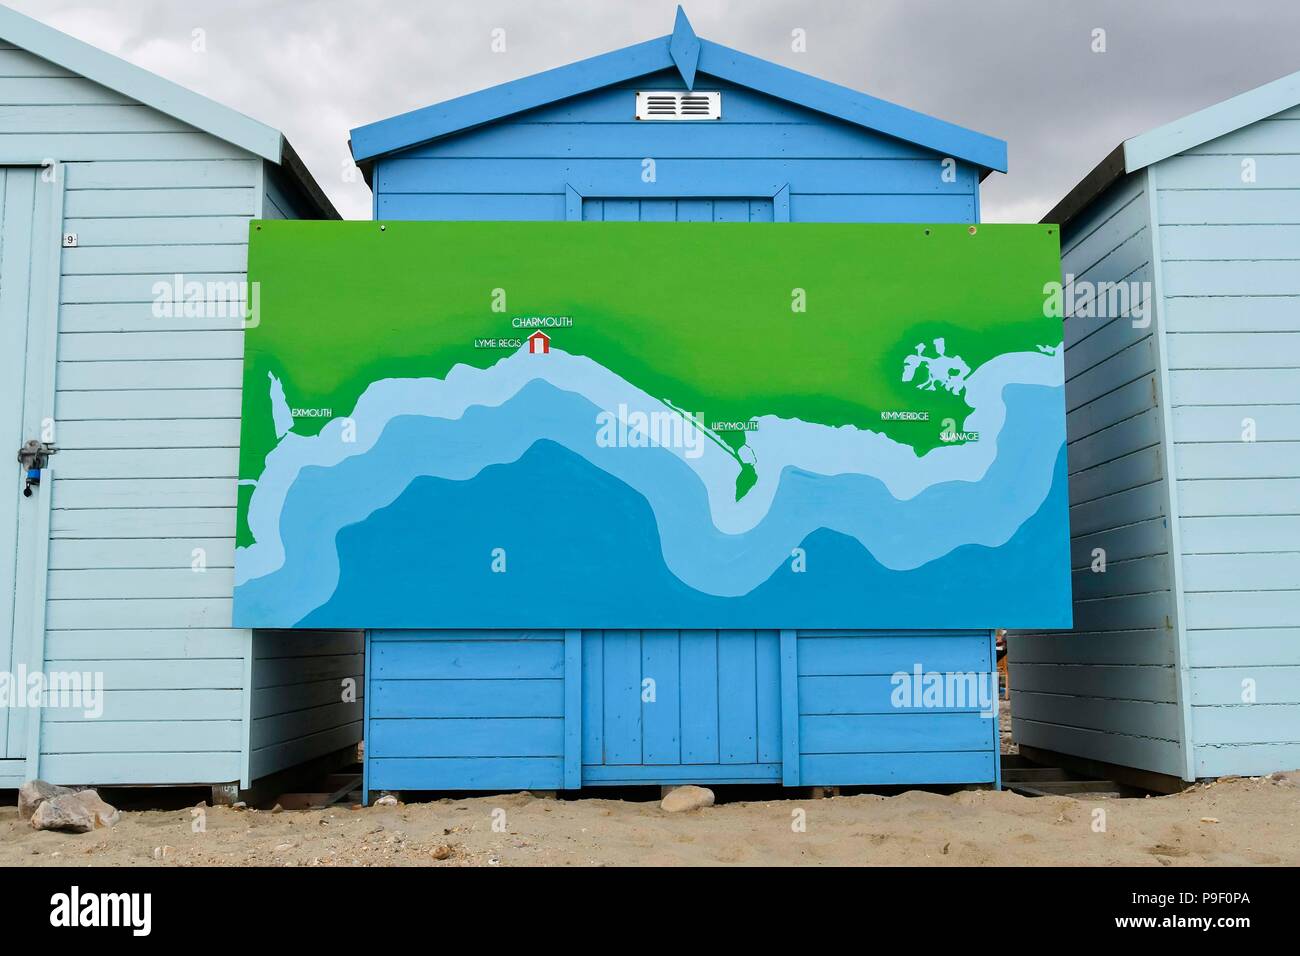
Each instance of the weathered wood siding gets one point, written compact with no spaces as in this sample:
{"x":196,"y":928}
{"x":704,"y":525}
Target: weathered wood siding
{"x":1229,"y":223}
{"x":1109,"y":689}
{"x":147,"y":424}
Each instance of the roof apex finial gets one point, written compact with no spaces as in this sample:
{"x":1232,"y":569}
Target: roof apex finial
{"x":684,"y":46}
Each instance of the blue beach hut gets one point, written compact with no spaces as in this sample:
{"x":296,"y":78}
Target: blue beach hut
{"x":732,"y":138}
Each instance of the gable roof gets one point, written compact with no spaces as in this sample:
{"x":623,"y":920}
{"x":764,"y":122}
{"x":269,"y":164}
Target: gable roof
{"x":162,"y":95}
{"x":1146,"y":149}
{"x":689,"y":54}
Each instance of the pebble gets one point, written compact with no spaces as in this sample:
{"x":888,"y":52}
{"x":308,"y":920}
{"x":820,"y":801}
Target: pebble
{"x":35,"y":792}
{"x":681,"y":799}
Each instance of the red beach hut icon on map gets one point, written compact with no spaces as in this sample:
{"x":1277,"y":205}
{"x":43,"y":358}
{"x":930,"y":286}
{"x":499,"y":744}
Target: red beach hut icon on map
{"x":539,"y":343}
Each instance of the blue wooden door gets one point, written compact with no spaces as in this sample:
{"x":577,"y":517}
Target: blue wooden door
{"x":681,"y":706}
{"x":691,"y":706}
{"x":21,"y":206}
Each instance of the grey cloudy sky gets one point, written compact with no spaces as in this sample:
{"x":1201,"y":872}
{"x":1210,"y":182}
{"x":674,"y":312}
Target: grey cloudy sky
{"x":1023,"y":70}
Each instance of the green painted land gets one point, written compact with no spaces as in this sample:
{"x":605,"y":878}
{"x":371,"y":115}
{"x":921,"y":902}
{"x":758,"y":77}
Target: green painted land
{"x":696,"y":314}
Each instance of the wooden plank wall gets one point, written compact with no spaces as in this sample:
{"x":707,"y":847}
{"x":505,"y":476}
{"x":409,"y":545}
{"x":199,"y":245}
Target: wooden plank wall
{"x":466,"y":710}
{"x":517,"y":169}
{"x":147,"y":425}
{"x":484,"y":710}
{"x":307,"y":687}
{"x":1231,"y":265}
{"x":851,"y":729}
{"x":308,"y":692}
{"x":1109,"y":689}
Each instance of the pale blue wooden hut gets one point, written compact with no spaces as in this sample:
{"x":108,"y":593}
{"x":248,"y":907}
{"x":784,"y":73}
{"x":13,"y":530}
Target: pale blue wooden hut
{"x":1183,"y":390}
{"x":112,"y":182}
{"x":733,"y":138}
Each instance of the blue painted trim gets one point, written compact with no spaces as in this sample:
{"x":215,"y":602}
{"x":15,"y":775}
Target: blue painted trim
{"x":790,"y":708}
{"x":497,"y":102}
{"x":572,"y":710}
{"x":1187,"y":132}
{"x":365,"y":721}
{"x":927,"y":768}
{"x":997,"y":712}
{"x":651,"y":56}
{"x":139,"y":84}
{"x":1168,"y":455}
{"x":738,"y":186}
{"x":35,"y":602}
{"x":781,"y":204}
{"x":853,"y":106}
{"x":246,"y":736}
{"x":421,"y":635}
{"x":613,"y":776}
{"x":1211,"y":123}
{"x":33,"y":541}
{"x":684,"y":46}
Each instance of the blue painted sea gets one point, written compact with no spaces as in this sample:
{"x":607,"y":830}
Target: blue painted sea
{"x":405,"y":534}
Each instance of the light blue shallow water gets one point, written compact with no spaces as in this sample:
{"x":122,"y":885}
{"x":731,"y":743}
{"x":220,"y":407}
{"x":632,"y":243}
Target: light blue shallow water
{"x":623,"y":537}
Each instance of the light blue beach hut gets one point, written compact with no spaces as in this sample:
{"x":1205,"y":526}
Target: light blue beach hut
{"x":1183,"y":388}
{"x":120,"y":195}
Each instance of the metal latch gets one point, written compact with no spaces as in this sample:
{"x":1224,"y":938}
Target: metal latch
{"x":34,"y":456}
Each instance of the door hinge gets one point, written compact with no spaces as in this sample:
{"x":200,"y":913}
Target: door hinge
{"x":34,"y":456}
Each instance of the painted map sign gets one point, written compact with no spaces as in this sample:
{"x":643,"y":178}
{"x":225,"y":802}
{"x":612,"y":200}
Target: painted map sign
{"x":652,"y":425}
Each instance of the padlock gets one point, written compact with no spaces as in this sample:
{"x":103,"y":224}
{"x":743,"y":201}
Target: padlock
{"x":33,"y":457}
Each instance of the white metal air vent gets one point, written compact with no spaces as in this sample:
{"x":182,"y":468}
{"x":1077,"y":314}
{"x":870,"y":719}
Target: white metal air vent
{"x":677,"y":105}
